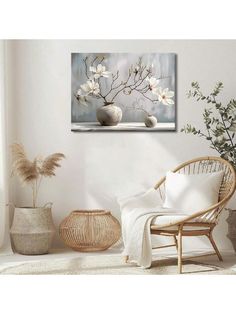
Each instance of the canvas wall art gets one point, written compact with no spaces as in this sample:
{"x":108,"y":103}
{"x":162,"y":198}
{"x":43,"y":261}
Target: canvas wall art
{"x":123,"y":92}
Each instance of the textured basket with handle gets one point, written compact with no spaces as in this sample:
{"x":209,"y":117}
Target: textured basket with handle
{"x":32,"y":230}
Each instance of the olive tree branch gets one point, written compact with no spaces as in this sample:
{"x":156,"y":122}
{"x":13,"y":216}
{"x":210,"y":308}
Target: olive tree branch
{"x":225,"y":128}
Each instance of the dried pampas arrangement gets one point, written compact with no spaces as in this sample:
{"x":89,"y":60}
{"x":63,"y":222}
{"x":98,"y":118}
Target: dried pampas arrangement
{"x":32,"y":172}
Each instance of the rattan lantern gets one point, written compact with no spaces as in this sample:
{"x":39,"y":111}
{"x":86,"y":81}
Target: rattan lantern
{"x":90,"y":230}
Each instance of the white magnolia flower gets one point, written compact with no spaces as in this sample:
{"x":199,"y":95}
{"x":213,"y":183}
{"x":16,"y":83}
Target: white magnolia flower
{"x":81,"y":98}
{"x":153,"y":83}
{"x":100,"y":71}
{"x":91,"y":87}
{"x":79,"y":93}
{"x":165,"y":95}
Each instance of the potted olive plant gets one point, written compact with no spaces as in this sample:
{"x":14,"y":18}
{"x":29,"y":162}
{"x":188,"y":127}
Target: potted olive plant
{"x":32,"y":230}
{"x":219,"y":120}
{"x":220,"y":129}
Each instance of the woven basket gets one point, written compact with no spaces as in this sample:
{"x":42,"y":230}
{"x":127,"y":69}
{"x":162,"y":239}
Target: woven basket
{"x":32,"y":230}
{"x":88,"y":231}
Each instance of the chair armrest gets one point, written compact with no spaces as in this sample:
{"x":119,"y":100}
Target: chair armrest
{"x":200,"y":213}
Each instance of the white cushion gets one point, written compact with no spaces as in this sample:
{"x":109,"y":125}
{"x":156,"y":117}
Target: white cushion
{"x":165,"y":220}
{"x":192,"y":193}
{"x":148,"y":199}
{"x":168,"y":219}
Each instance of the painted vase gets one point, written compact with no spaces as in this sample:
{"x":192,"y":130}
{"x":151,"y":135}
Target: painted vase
{"x":150,"y":121}
{"x":32,"y":230}
{"x":109,"y":114}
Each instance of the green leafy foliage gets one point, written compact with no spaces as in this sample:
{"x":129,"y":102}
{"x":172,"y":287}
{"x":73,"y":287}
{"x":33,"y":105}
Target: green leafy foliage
{"x":219,"y":120}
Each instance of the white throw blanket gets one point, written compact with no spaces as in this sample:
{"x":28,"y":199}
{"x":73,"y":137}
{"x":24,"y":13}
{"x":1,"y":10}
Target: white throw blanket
{"x":137,"y":214}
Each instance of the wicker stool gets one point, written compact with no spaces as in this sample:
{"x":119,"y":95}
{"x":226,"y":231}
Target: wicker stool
{"x":90,"y":230}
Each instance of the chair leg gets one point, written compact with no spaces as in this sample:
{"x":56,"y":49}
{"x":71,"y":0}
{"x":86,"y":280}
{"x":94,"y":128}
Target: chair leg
{"x":180,"y":250}
{"x":126,"y":258}
{"x":176,"y":242}
{"x":214,"y":246}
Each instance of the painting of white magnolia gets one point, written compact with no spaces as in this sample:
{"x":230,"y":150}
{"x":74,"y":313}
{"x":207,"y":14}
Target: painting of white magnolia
{"x":123,"y":92}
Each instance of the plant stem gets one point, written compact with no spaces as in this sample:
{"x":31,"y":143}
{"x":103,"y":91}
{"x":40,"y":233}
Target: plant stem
{"x":86,"y":67}
{"x":103,"y":97}
{"x":226,"y":129}
{"x":124,"y":86}
{"x":33,"y":190}
{"x":212,"y":143}
{"x":223,"y":121}
{"x":143,"y":93}
{"x":95,"y":59}
{"x":114,"y":78}
{"x":37,"y":187}
{"x":134,"y":85}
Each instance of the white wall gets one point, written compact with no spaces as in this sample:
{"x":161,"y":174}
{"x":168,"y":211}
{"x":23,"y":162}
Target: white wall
{"x":101,"y":166}
{"x":5,"y":247}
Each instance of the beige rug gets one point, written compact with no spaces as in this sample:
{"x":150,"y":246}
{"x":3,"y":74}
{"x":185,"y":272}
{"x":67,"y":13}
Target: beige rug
{"x":107,"y":265}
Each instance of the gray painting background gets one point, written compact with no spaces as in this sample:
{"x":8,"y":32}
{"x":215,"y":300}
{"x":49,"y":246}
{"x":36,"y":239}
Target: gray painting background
{"x":163,"y":66}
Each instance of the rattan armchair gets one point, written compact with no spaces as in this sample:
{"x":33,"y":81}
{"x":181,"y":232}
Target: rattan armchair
{"x":203,"y":222}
